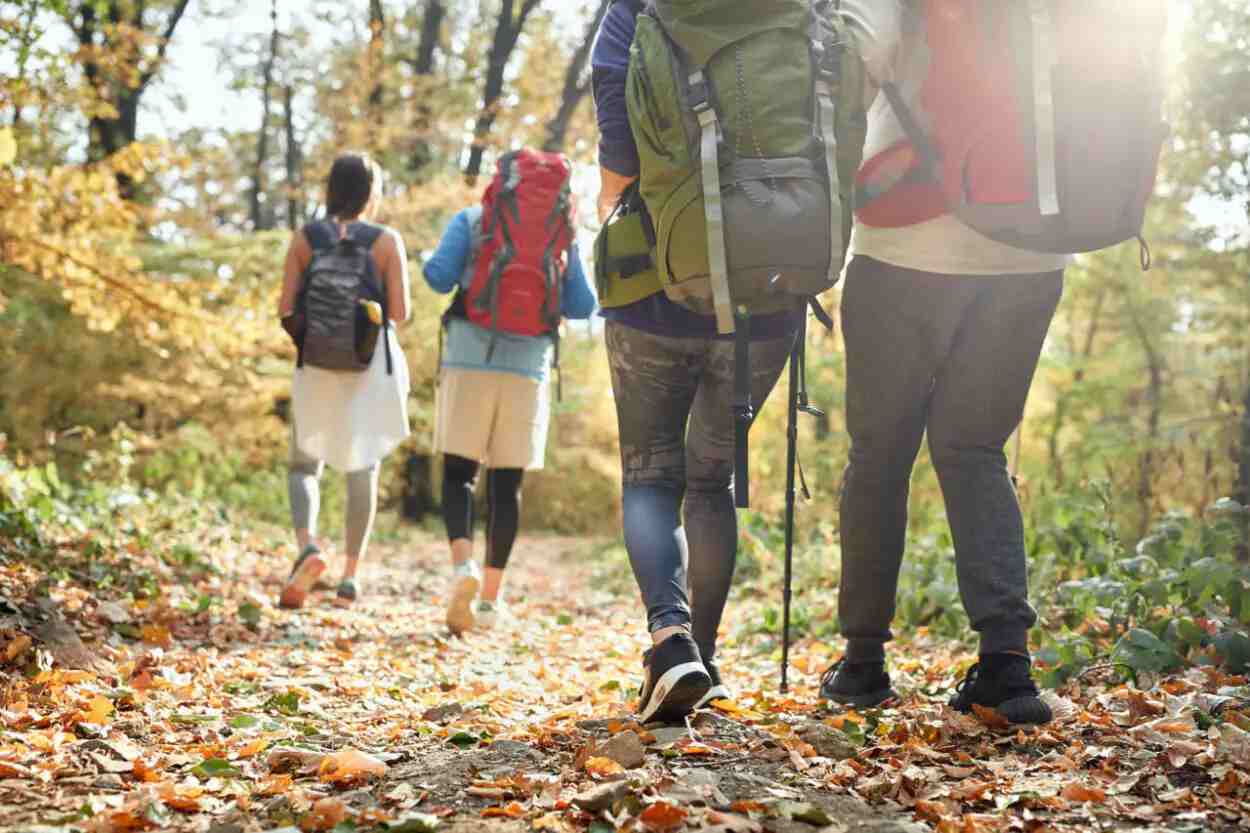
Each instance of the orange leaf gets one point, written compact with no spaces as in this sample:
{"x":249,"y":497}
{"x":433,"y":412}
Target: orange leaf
{"x":348,"y":766}
{"x":8,"y":769}
{"x":990,"y":717}
{"x":97,"y":711}
{"x":156,"y":635}
{"x":930,"y":810}
{"x":512,"y":810}
{"x":17,"y":647}
{"x":603,"y":767}
{"x":275,"y":784}
{"x":184,"y":799}
{"x":324,"y":815}
{"x":1078,"y":792}
{"x":662,"y":816}
{"x":145,"y":771}
{"x":748,"y":807}
{"x":253,"y":748}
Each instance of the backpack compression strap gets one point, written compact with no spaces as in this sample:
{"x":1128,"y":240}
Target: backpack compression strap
{"x":714,"y":211}
{"x":828,"y":70}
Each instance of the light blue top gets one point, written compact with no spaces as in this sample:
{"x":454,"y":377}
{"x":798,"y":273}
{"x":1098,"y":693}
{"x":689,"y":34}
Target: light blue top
{"x":467,"y":344}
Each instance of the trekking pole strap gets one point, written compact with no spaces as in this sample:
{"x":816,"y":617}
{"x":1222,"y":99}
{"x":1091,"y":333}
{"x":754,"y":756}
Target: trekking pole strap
{"x":744,"y":413}
{"x":713,"y":209}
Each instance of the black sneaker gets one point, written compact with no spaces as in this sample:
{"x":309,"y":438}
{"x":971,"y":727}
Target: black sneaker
{"x":718,"y":691}
{"x":858,"y":684}
{"x":1002,"y":682}
{"x":675,"y":680}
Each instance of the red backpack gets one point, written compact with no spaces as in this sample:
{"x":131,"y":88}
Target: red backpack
{"x":1042,"y":123}
{"x":526,"y":232}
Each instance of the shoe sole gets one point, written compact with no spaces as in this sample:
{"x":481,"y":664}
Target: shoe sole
{"x":460,"y":606}
{"x":1025,"y":710}
{"x":869,"y":700}
{"x":301,"y":582}
{"x":675,"y":694}
{"x":716,"y":692}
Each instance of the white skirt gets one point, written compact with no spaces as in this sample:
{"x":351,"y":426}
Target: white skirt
{"x":351,"y":420}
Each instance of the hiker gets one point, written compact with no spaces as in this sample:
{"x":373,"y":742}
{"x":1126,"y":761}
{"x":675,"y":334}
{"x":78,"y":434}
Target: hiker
{"x":689,"y":368}
{"x":344,"y":286}
{"x":516,"y":275}
{"x":944,"y":323}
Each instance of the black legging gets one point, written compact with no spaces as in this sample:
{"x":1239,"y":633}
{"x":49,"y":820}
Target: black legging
{"x":503,"y":505}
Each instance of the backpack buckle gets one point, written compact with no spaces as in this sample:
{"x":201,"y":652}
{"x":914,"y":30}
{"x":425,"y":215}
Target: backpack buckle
{"x":699,"y":94}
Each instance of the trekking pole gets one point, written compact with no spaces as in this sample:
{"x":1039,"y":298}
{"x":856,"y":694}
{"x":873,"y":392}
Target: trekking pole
{"x":792,"y":456}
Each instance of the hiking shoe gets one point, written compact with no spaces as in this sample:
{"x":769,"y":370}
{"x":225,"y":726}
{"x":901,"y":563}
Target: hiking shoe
{"x":861,"y":685}
{"x":675,"y":680}
{"x":1002,"y":682}
{"x":465,"y":581}
{"x":492,"y":615}
{"x":347,"y":593}
{"x":718,"y":691}
{"x":304,"y":574}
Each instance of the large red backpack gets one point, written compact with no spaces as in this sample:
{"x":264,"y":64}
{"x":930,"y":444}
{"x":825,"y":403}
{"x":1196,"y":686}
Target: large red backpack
{"x":1039,"y":124}
{"x":522,"y":252}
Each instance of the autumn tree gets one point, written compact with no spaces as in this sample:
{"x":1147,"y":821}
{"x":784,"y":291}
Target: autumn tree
{"x":576,"y":83}
{"x":122,"y":44}
{"x":509,"y":24}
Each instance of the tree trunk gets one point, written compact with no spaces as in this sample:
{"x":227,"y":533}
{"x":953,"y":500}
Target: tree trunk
{"x":294,"y":172}
{"x":507,"y":31}
{"x":108,"y":134}
{"x":377,"y":47}
{"x":1243,"y":479}
{"x":262,"y":219}
{"x":1154,"y":398}
{"x":423,"y":68}
{"x":575,"y":85}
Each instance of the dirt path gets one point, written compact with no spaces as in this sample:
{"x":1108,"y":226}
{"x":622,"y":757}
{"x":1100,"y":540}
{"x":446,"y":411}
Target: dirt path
{"x":227,"y":727}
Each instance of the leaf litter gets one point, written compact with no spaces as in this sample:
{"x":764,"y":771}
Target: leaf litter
{"x":231,"y":712}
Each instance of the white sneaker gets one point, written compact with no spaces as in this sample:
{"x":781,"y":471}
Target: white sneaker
{"x":492,"y":615}
{"x":465,"y":581}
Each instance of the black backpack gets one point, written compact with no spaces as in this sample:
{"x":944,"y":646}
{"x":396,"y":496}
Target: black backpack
{"x":335,"y":329}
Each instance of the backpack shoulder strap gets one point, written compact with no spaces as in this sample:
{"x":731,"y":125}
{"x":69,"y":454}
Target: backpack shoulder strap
{"x":366,"y":234}
{"x":321,"y":235}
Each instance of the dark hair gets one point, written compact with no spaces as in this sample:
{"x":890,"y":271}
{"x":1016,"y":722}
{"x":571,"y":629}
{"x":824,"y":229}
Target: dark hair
{"x":354,"y":179}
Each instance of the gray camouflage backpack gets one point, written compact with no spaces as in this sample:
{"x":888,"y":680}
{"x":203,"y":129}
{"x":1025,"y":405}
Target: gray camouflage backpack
{"x":338,"y":288}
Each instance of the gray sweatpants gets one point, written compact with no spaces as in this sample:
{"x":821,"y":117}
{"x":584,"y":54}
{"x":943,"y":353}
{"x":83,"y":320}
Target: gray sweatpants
{"x":952,"y":356}
{"x":303,"y":476}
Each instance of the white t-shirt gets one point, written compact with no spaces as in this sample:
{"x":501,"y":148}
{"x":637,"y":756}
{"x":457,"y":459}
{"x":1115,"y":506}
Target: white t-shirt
{"x":892,"y":43}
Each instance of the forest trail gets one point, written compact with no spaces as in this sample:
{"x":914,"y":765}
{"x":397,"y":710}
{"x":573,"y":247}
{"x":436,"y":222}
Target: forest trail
{"x":202,"y":706}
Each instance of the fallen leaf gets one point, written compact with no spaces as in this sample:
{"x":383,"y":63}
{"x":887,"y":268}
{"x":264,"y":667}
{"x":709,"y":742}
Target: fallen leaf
{"x":990,"y":717}
{"x":97,"y":711}
{"x":1081,"y":793}
{"x":511,"y":810}
{"x":275,"y":785}
{"x":16,"y":647}
{"x":662,"y":816}
{"x":350,"y":766}
{"x":156,"y":635}
{"x":604,"y":768}
{"x":324,"y":815}
{"x":183,"y":799}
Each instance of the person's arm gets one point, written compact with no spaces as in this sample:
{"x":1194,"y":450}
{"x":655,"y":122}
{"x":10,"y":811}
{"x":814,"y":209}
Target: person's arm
{"x":446,"y":266}
{"x":395,"y":277}
{"x":618,"y":154}
{"x":298,"y":254}
{"x":877,"y":27}
{"x":577,"y":300}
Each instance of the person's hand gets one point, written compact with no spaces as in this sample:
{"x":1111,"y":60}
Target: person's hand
{"x":611,"y":186}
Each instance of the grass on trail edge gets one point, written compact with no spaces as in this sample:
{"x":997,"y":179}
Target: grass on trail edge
{"x":151,"y":683}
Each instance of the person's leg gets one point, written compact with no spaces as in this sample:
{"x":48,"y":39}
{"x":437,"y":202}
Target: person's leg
{"x":459,"y":479}
{"x":303,"y":489}
{"x":978,"y":402}
{"x":503,"y":501}
{"x":896,"y":325}
{"x":654,"y":380}
{"x":459,"y":485}
{"x":362,"y":505}
{"x":711,"y":521}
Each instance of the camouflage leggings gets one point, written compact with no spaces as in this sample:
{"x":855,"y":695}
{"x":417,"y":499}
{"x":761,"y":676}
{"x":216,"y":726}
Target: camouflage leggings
{"x":673,"y":405}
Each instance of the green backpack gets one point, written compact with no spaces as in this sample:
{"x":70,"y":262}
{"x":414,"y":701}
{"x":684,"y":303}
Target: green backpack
{"x":750,"y":121}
